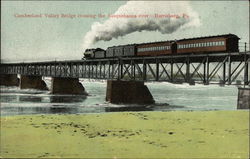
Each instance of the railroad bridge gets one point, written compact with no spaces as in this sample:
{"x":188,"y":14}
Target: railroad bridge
{"x":216,"y":68}
{"x":223,"y":68}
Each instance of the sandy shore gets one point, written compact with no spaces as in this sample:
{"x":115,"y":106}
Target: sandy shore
{"x":177,"y":134}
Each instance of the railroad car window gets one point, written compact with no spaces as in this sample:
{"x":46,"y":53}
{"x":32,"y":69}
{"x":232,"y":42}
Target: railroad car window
{"x":223,"y":43}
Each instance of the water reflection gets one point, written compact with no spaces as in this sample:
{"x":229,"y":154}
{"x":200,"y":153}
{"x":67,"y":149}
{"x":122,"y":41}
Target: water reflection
{"x":6,"y":98}
{"x":67,"y":99}
{"x":63,"y":110}
{"x":128,"y":108}
{"x":30,"y":99}
{"x":44,"y":110}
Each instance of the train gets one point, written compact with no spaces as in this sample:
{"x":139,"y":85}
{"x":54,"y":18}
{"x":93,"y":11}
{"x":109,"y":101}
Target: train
{"x":210,"y":44}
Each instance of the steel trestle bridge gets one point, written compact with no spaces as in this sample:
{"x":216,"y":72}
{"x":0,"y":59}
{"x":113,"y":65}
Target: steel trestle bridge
{"x":223,"y":68}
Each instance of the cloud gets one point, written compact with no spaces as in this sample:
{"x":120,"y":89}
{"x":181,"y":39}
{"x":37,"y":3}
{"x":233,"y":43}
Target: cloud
{"x":163,"y":16}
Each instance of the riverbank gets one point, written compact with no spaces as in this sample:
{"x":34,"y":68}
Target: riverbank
{"x":177,"y":134}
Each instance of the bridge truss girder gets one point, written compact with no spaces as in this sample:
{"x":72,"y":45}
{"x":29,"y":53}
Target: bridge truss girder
{"x":216,"y":68}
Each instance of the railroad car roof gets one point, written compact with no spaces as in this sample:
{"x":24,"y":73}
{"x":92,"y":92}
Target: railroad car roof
{"x":215,"y":36}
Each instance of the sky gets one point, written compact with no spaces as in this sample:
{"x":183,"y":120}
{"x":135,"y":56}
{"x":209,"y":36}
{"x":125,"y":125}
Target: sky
{"x":26,"y":39}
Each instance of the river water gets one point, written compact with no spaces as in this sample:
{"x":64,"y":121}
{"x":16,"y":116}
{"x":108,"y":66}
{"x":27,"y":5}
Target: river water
{"x":15,"y":101}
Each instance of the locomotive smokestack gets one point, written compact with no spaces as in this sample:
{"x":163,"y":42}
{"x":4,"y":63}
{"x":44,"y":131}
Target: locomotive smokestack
{"x":163,"y":16}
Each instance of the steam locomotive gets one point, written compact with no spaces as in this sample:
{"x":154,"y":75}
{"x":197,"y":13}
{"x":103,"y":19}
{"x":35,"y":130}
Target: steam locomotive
{"x":209,"y":44}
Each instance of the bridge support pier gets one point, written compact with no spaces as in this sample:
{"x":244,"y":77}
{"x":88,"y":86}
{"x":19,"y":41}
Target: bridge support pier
{"x":9,"y":80}
{"x":34,"y":82}
{"x":62,"y":85}
{"x":243,"y":98}
{"x":128,"y":92}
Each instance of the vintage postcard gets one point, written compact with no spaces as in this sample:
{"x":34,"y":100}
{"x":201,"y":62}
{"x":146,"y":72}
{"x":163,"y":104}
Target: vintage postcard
{"x":125,"y":79}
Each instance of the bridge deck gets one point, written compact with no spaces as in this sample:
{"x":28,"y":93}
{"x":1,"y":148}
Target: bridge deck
{"x":217,"y":67}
